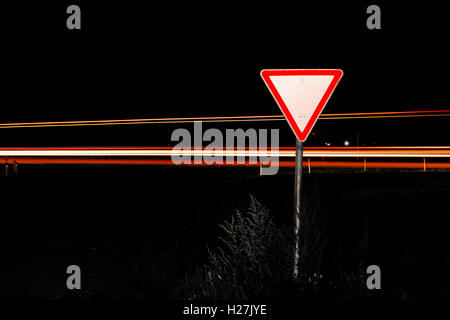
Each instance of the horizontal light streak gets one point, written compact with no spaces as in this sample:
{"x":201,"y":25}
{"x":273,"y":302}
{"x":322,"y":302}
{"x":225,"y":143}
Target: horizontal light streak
{"x":329,"y":116}
{"x":430,"y":152}
{"x":289,"y":164}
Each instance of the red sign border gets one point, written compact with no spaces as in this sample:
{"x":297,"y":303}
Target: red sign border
{"x":267,"y":73}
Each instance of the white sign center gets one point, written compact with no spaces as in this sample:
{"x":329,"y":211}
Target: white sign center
{"x":302,"y":94}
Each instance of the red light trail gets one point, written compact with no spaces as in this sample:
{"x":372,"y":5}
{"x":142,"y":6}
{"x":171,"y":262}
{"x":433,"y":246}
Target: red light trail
{"x":158,"y":156}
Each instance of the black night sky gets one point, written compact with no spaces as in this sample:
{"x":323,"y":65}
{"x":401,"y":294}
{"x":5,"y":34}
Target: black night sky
{"x":135,"y":61}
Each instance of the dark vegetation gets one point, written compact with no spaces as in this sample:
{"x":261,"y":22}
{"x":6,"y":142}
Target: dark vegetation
{"x":153,"y":233}
{"x":254,"y":262}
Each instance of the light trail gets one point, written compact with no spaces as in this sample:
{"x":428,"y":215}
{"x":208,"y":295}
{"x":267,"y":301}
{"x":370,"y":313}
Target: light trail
{"x":289,"y":164}
{"x":333,"y":158}
{"x":330,"y":116}
{"x":312,"y":152}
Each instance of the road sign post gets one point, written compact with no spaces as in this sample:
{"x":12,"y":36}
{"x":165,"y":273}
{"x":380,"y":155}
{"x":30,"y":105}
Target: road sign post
{"x":301,"y":95}
{"x":297,"y":204}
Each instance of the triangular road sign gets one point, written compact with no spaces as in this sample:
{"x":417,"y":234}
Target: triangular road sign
{"x":301,"y":94}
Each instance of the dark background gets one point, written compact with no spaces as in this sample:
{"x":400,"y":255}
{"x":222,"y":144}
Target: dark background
{"x":136,"y":60}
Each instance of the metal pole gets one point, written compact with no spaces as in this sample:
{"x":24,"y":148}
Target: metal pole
{"x":297,"y":207}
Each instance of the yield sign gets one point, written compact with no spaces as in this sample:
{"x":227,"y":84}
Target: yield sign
{"x":301,"y":94}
